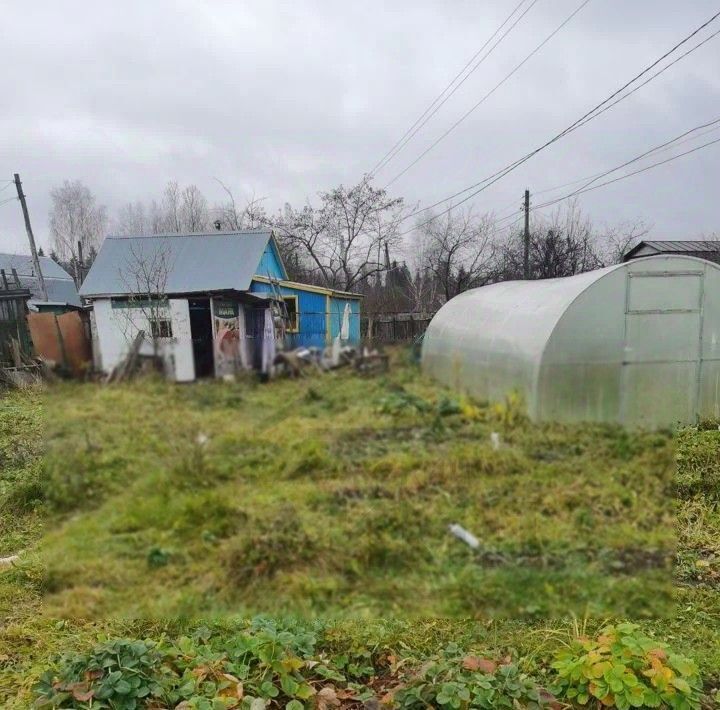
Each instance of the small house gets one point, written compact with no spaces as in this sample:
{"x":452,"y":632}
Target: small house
{"x":61,"y":290}
{"x":55,"y":329}
{"x":208,"y":304}
{"x":707,"y":249}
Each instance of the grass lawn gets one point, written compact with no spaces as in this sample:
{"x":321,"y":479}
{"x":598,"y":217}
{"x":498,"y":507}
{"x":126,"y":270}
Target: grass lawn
{"x":163,"y":509}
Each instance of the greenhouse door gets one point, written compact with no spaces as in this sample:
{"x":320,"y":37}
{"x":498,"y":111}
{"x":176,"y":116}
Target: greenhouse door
{"x":661,"y":365}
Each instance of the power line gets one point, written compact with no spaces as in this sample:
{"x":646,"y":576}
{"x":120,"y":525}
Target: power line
{"x":441,"y":99}
{"x":9,"y":199}
{"x":663,"y":147}
{"x":669,"y":145}
{"x":628,"y":175}
{"x":649,"y":79}
{"x":659,"y":149}
{"x":593,"y":113}
{"x":490,"y":93}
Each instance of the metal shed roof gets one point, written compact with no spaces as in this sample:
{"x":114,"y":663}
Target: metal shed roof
{"x":60,"y":285}
{"x":672,"y":246}
{"x":194,"y":263}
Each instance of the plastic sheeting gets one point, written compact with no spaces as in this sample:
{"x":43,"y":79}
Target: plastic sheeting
{"x":636,"y":343}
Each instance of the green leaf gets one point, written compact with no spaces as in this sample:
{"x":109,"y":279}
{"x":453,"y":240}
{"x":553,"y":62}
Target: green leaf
{"x":122,"y":687}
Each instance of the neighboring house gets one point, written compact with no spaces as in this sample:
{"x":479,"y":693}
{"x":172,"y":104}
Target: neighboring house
{"x":703,"y":249}
{"x":62,"y":293}
{"x":209,"y":304}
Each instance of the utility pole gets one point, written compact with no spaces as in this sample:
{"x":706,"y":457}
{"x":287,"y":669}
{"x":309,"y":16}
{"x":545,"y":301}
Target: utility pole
{"x":526,"y":239}
{"x":31,"y":238}
{"x":80,"y":265}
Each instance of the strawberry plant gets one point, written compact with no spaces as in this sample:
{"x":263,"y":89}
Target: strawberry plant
{"x":118,"y":675}
{"x":622,"y":668}
{"x":455,"y":682}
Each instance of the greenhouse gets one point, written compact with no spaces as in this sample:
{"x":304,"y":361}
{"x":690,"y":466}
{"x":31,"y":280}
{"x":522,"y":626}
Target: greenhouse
{"x":637,"y":343}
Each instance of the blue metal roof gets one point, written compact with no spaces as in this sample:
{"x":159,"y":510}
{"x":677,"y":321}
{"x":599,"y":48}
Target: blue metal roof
{"x":190,"y":263}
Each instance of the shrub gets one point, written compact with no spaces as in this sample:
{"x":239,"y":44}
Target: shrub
{"x":621,"y":668}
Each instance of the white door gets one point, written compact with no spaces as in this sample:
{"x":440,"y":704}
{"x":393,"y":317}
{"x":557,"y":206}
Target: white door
{"x":661,"y":365}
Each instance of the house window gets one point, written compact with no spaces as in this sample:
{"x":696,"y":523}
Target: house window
{"x":293,"y":317}
{"x":161,"y":328}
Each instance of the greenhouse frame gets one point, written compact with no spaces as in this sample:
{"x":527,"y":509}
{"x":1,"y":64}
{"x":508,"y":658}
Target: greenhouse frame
{"x":637,"y":343}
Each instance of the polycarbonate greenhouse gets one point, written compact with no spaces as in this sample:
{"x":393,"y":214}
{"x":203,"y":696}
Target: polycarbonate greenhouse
{"x":637,"y":343}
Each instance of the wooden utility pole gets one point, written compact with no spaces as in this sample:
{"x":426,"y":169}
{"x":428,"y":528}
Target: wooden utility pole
{"x":80,"y":262}
{"x":526,"y":237}
{"x":31,"y":238}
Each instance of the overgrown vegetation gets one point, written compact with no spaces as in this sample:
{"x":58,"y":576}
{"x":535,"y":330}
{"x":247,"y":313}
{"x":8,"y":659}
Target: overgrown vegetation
{"x":331,"y":499}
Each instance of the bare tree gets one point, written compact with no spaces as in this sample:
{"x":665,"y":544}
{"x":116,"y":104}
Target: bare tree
{"x":145,"y":275}
{"x":179,"y":210}
{"x":616,"y":241}
{"x":132,"y":220}
{"x":563,"y":244}
{"x":75,"y":217}
{"x":453,"y":253}
{"x":194,"y":215}
{"x":342,"y":241}
{"x":170,"y":208}
{"x":238,"y":217}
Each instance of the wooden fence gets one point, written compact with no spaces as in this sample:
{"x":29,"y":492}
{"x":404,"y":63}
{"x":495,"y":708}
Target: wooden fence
{"x":14,"y":332}
{"x":395,"y":328}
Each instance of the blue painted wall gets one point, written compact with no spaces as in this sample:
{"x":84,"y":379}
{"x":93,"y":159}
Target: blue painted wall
{"x":270,"y":264}
{"x":337,"y":308}
{"x":312,"y":309}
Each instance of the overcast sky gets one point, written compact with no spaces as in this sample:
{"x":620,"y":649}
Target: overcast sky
{"x":284,"y":99}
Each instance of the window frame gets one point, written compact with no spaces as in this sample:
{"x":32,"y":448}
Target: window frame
{"x":292,"y":297}
{"x":156,"y":323}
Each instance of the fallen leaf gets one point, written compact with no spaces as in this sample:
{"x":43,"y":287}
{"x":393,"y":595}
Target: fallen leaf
{"x":327,"y":697}
{"x":346,"y":694}
{"x":550,"y":700}
{"x":81,"y":693}
{"x":474,"y":663}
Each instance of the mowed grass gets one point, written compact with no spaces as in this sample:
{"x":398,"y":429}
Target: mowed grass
{"x":160,"y":508}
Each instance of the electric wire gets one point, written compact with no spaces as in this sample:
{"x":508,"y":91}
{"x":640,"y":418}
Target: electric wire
{"x":590,"y":188}
{"x":589,"y":181}
{"x":495,"y":177}
{"x":441,"y":99}
{"x":488,"y":94}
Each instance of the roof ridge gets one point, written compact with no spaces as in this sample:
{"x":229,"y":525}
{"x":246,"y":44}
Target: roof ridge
{"x":215,"y":233}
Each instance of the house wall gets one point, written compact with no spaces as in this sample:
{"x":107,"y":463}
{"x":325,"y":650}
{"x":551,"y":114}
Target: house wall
{"x":270,"y":264}
{"x":117,"y":324}
{"x":312,"y":308}
{"x":337,"y":309}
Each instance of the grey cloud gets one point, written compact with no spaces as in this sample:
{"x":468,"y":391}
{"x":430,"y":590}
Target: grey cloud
{"x":288,"y":98}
